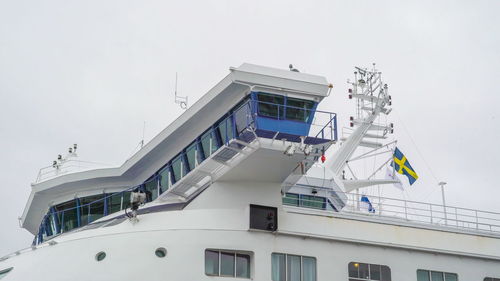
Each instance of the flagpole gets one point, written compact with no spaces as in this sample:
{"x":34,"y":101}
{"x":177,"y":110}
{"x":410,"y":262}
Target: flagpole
{"x":442,"y":184}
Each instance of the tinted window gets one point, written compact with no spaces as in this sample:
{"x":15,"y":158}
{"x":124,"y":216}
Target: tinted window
{"x":68,"y":218}
{"x":228,"y":264}
{"x":270,"y":105}
{"x":427,"y":275}
{"x":177,"y":168}
{"x":292,"y":268}
{"x":211,"y":262}
{"x":242,"y":266}
{"x":298,"y":109}
{"x":191,"y":156}
{"x":151,"y":189}
{"x":164,"y":181}
{"x":115,"y":203}
{"x":367,"y":271}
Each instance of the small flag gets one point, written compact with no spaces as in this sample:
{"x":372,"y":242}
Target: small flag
{"x":391,"y":175}
{"x":367,"y":204}
{"x":402,"y":166}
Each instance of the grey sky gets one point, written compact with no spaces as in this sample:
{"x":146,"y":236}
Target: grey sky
{"x":92,"y":72}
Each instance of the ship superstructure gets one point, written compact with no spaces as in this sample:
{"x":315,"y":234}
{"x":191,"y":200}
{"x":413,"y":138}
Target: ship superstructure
{"x":229,"y":191}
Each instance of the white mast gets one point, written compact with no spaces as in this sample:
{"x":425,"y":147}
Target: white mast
{"x":372,"y":98}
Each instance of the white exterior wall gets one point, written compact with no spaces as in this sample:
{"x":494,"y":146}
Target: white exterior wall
{"x":219,"y":217}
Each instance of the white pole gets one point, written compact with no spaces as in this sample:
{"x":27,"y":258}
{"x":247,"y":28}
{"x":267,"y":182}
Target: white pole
{"x":442,"y":184}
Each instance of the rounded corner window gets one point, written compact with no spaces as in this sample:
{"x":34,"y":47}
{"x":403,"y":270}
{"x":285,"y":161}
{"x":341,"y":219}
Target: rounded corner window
{"x":4,"y":272}
{"x":100,"y":256}
{"x":161,"y":252}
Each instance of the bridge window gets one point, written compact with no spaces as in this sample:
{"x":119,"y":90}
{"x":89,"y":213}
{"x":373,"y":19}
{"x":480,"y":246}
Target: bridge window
{"x":151,"y":189}
{"x":270,"y":105}
{"x":428,"y":275}
{"x":164,"y":179}
{"x":115,"y":203}
{"x":368,"y":272}
{"x":191,"y":154}
{"x":227,"y":263}
{"x":298,"y":109}
{"x":178,"y":168}
{"x":209,"y":143}
{"x":91,"y":212}
{"x":69,"y":218}
{"x":293,"y":268}
{"x":225,"y":129}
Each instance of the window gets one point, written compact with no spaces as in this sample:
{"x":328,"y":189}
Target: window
{"x":365,"y":271}
{"x":4,"y":272}
{"x":298,"y":109}
{"x":177,"y":168}
{"x":225,"y":129}
{"x":270,"y":105}
{"x":227,"y":264}
{"x":491,"y":279}
{"x":151,"y":189}
{"x":68,"y":218}
{"x":115,"y":203}
{"x":307,"y":201}
{"x":191,"y":154}
{"x":208,"y":143}
{"x":293,"y":268}
{"x":92,"y":208}
{"x":428,"y":275}
{"x":164,"y":180}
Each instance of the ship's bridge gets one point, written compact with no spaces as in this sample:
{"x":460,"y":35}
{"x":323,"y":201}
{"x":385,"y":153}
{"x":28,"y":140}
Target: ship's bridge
{"x":258,"y":123}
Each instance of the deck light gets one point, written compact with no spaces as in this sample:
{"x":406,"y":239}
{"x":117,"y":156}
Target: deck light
{"x":323,"y":158}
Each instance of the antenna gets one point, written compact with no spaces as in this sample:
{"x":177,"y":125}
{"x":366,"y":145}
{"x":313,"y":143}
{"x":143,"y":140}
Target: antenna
{"x":182,"y":101}
{"x":143,"y":130}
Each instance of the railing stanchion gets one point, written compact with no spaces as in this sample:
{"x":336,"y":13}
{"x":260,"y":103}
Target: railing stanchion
{"x":477,"y":220}
{"x":432,"y":221}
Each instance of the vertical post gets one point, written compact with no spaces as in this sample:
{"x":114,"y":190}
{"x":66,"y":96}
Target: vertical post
{"x":477,"y":220}
{"x":442,"y":184}
{"x":78,"y":215}
{"x":210,"y":143}
{"x":335,"y":127}
{"x":430,"y":205}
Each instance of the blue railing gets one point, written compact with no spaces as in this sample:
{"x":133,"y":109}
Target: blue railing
{"x":244,"y":122}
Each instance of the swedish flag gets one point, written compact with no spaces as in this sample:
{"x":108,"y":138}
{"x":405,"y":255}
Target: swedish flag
{"x":402,"y":166}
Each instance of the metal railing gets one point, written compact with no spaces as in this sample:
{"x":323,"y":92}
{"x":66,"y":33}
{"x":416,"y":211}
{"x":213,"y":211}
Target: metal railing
{"x":401,"y":211}
{"x":66,"y":167}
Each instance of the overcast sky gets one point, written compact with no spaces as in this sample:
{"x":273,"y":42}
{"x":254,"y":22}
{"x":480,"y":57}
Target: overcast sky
{"x":92,"y":72}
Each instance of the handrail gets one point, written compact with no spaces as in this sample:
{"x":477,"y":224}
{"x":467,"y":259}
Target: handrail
{"x":410,"y":211}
